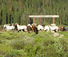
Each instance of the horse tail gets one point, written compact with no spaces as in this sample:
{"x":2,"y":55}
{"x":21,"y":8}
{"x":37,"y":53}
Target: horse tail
{"x":35,"y":30}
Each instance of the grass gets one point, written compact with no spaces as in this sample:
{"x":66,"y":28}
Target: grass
{"x":65,"y":33}
{"x":25,"y":44}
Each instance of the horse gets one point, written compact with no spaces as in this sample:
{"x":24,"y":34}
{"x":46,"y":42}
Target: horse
{"x":62,"y":28}
{"x":51,"y":28}
{"x":34,"y":28}
{"x":46,"y":28}
{"x":65,"y":28}
{"x":29,"y":28}
{"x":8,"y":27}
{"x":40,"y":27}
{"x":54,"y":28}
{"x":20,"y":27}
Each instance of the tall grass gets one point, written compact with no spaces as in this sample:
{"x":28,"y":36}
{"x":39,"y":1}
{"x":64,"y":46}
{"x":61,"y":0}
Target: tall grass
{"x":25,"y":44}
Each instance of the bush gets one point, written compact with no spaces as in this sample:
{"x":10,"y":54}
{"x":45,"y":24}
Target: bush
{"x":15,"y":53}
{"x":40,"y":45}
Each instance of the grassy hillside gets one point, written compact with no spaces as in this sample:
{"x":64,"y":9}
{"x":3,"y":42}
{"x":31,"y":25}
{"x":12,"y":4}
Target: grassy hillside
{"x":25,"y":44}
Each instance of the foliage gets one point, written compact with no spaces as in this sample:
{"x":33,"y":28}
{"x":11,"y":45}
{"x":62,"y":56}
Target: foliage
{"x":25,"y":44}
{"x":12,"y":11}
{"x":14,"y":53}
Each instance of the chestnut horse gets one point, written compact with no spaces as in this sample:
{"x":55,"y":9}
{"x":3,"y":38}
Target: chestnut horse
{"x":32,"y":28}
{"x":62,"y":28}
{"x":35,"y":28}
{"x":29,"y":28}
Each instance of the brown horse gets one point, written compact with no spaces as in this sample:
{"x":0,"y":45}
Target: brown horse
{"x":35,"y":29}
{"x":62,"y":28}
{"x":32,"y":28}
{"x":29,"y":29}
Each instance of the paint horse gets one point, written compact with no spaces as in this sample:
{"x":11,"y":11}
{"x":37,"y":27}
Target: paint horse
{"x":29,"y":28}
{"x":20,"y":27}
{"x":51,"y":28}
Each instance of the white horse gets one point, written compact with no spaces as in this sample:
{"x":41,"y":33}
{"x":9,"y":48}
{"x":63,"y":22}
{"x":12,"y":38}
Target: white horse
{"x":40,"y":27}
{"x":46,"y":28}
{"x":8,"y":27}
{"x":20,"y":27}
{"x":54,"y":28}
{"x":51,"y":28}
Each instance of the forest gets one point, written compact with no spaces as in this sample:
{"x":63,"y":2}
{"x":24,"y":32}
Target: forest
{"x":12,"y":11}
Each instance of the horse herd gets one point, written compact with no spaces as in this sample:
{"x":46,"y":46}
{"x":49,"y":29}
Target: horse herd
{"x":34,"y":28}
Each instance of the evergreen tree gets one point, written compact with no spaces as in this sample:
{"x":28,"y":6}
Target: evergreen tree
{"x":12,"y":11}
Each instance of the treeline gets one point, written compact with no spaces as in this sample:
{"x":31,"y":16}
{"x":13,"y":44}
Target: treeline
{"x":12,"y":11}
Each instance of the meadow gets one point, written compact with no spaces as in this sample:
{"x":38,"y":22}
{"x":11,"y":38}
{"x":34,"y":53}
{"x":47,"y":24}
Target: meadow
{"x":23,"y":44}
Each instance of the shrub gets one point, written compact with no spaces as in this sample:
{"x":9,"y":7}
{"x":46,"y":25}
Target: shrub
{"x":15,"y":53}
{"x":40,"y":45}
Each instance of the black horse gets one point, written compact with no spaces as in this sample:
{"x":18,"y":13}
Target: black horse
{"x":65,"y":28}
{"x":35,"y":29}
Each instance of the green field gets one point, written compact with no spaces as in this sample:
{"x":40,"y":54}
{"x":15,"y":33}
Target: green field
{"x":23,"y":44}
